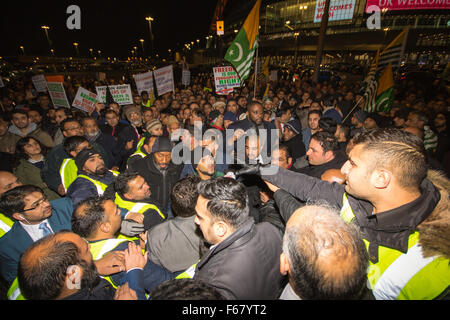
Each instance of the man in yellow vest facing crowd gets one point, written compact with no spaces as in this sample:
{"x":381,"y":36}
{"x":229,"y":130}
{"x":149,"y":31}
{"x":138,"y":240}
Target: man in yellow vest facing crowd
{"x":400,"y":208}
{"x":93,"y":176}
{"x":132,"y":193}
{"x":98,"y":220}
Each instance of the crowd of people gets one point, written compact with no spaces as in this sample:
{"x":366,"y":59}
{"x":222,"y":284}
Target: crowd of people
{"x":293,"y":193}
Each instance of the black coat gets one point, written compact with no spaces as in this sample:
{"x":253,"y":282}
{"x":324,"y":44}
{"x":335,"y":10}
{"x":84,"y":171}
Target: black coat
{"x":317,"y":171}
{"x":246,"y":265}
{"x":160,"y":184}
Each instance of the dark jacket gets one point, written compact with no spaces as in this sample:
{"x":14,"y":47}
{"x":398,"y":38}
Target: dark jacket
{"x":391,"y":228}
{"x":160,"y":182}
{"x":245,"y":125}
{"x":297,"y":146}
{"x":113,"y":152}
{"x":103,"y":290}
{"x":53,"y":161}
{"x":82,"y":188}
{"x":246,"y":265}
{"x":316,"y":171}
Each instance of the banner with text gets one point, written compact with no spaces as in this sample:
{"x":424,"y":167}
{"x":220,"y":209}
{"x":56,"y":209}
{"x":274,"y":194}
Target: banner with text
{"x":121,"y":94}
{"x":39,"y":83}
{"x":339,"y":10}
{"x":226,"y":79}
{"x":85,"y":100}
{"x":409,"y":4}
{"x":144,"y":82}
{"x":58,"y":94}
{"x":164,"y":80}
{"x":186,"y":77}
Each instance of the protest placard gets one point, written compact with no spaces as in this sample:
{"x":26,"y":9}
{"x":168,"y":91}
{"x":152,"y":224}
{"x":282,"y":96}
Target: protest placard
{"x":164,"y":80}
{"x":58,"y":94}
{"x":39,"y":83}
{"x":226,"y":79}
{"x":186,"y":77}
{"x":120,"y":93}
{"x":85,"y":100}
{"x":57,"y":78}
{"x":144,"y":82}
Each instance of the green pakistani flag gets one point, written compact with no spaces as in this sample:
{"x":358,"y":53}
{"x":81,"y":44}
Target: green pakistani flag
{"x":240,"y":53}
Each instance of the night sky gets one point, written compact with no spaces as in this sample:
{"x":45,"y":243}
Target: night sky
{"x":114,"y":27}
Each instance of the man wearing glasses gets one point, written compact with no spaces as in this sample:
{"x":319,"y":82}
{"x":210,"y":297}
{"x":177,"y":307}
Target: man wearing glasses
{"x":36,"y":218}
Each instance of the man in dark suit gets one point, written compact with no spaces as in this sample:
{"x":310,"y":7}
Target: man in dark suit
{"x":36,"y":218}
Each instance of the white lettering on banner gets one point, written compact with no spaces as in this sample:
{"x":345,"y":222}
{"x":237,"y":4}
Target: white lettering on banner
{"x":85,"y":100}
{"x":120,"y":93}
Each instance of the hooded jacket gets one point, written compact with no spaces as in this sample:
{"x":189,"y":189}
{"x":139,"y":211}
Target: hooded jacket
{"x":34,"y":132}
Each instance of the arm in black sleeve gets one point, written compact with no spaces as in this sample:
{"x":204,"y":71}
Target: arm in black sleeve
{"x":286,"y":203}
{"x":304,"y":187}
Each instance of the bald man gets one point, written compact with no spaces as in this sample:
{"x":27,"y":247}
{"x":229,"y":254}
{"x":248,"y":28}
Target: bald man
{"x":324,"y":257}
{"x":8,"y":181}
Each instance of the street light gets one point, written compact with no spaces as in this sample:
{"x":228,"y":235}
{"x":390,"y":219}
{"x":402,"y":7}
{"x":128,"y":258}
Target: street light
{"x":142,"y":44}
{"x":46,"y":28}
{"x":150,"y":19}
{"x":52,"y":52}
{"x":91,"y":51}
{"x":287,"y":24}
{"x":296,"y":34}
{"x":75,"y":44}
{"x":23,"y":49}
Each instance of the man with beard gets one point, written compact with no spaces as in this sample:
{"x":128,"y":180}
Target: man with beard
{"x":159,"y":172}
{"x":34,"y":218}
{"x":50,"y":270}
{"x":134,"y":116}
{"x":205,"y":168}
{"x":93,"y":176}
{"x":255,"y":114}
{"x":109,"y":144}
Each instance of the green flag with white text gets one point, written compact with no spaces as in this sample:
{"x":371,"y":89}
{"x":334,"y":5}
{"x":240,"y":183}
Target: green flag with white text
{"x":240,"y":53}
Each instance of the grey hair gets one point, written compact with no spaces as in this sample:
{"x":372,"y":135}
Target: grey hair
{"x":320,"y":237}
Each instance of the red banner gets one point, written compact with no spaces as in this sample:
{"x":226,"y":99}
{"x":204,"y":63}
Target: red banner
{"x":409,"y":4}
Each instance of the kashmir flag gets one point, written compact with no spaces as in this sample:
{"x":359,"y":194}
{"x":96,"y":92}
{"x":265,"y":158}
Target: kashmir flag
{"x":394,"y":51}
{"x":240,"y":53}
{"x":385,"y":92}
{"x":371,"y":86}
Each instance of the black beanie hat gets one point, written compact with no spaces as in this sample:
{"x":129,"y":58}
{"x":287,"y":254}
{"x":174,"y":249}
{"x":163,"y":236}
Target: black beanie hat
{"x":83,"y":156}
{"x":162,"y":144}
